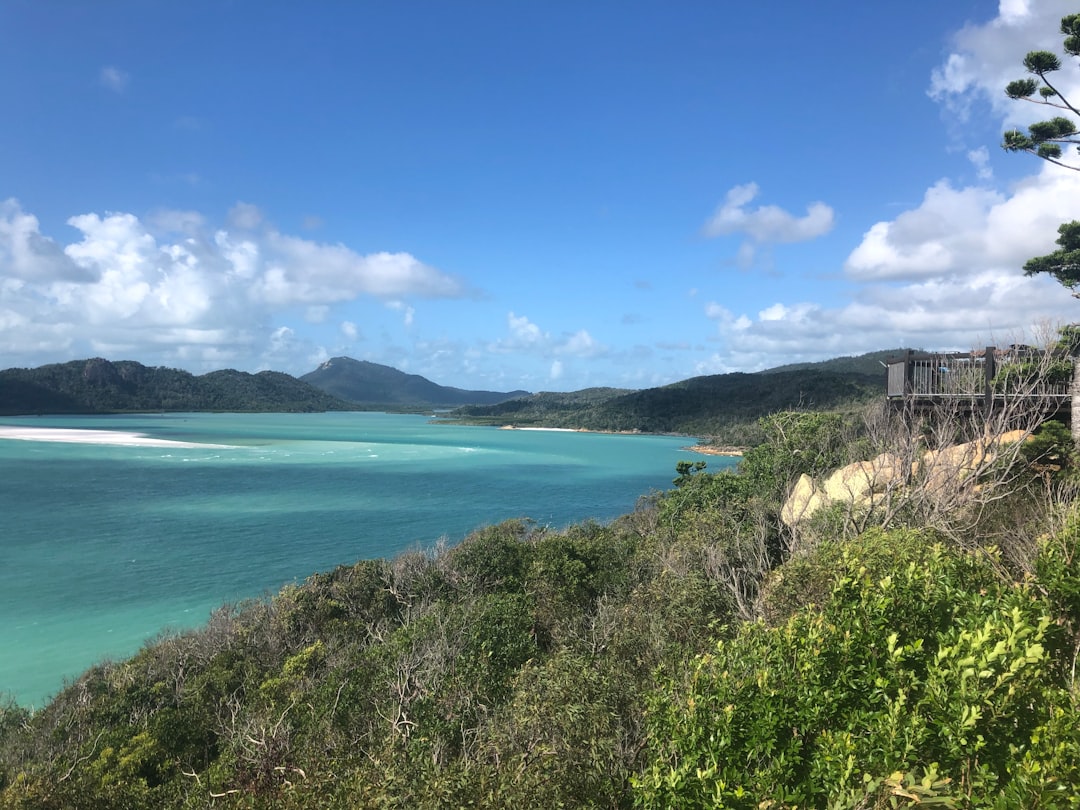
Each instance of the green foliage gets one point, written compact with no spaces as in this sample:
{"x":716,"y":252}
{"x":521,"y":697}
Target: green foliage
{"x":796,"y":443}
{"x":494,"y":559}
{"x":935,"y":671}
{"x":1044,"y":138}
{"x":1058,"y":571}
{"x":1022,"y":375}
{"x":1063,"y":264}
{"x":1050,"y":450}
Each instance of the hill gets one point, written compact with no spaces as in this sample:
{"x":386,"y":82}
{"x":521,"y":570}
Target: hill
{"x":869,"y":363}
{"x":102,"y":386}
{"x":372,"y":384}
{"x":723,"y":407}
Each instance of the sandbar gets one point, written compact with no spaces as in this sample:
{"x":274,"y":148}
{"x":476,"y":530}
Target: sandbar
{"x":78,"y":436}
{"x":546,"y":429}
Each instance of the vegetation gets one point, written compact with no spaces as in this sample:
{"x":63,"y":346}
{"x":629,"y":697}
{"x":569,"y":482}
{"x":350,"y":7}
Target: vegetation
{"x":695,"y":652}
{"x":724,"y":408}
{"x":101,"y":386}
{"x":1044,"y":139}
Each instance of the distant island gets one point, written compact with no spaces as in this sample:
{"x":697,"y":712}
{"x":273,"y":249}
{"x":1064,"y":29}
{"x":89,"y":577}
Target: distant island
{"x":722,"y":409}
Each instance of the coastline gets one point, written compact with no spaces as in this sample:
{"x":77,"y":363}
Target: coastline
{"x":703,"y":449}
{"x":81,"y":436}
{"x":714,"y":450}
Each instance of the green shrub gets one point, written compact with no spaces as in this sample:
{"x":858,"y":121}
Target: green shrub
{"x":920,"y":667}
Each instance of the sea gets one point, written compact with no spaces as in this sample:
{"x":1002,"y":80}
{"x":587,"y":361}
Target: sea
{"x":105,"y":547}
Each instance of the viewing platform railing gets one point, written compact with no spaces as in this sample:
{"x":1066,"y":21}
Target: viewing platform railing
{"x":975,"y":378}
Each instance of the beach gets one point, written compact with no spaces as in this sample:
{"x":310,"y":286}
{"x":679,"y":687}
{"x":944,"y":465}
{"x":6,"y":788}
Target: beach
{"x":78,"y":436}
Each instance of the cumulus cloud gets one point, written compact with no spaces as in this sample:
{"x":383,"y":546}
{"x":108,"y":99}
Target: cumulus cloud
{"x":985,"y":57}
{"x":523,"y":331}
{"x":526,"y":337}
{"x":766,"y":223}
{"x":171,"y":283}
{"x":579,"y":344}
{"x":947,"y":273}
{"x":962,"y":231}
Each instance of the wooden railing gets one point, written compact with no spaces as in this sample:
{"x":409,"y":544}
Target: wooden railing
{"x":969,"y":377}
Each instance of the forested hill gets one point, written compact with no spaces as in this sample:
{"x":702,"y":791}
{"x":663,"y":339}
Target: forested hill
{"x":725,"y":407}
{"x":871,"y":363}
{"x":101,"y":386}
{"x":372,"y":384}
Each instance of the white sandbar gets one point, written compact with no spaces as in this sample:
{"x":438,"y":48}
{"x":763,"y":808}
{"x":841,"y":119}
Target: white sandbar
{"x":76,"y":436}
{"x":548,"y":430}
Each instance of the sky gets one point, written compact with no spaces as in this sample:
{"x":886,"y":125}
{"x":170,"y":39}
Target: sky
{"x":532,"y":195}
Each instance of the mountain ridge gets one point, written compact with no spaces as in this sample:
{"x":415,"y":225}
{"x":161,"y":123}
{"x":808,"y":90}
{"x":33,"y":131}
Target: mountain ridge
{"x":371,"y":384}
{"x":98,"y":385}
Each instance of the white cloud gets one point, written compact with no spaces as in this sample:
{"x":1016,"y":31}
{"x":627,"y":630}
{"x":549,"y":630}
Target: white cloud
{"x":528,"y":338}
{"x":179,"y":293}
{"x":947,"y":274}
{"x":524,"y":331}
{"x":986,"y":57}
{"x":114,"y":79}
{"x":27,"y":255}
{"x":767,"y":223}
{"x":350,"y":330}
{"x":579,"y":344}
{"x":556,"y":370}
{"x":968,"y":230}
{"x":980,"y":159}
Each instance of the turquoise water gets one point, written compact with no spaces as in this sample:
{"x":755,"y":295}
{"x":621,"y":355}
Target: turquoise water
{"x":105,"y":546}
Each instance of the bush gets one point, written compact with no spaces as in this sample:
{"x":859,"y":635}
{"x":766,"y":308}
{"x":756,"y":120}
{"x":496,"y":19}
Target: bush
{"x":920,"y":667}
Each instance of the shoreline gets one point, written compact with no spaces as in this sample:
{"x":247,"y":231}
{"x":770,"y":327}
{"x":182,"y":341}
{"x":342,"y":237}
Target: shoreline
{"x":703,"y":449}
{"x":119,"y":438}
{"x":713,"y":450}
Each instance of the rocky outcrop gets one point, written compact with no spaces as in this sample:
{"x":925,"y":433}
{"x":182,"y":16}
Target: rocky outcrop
{"x":857,"y":483}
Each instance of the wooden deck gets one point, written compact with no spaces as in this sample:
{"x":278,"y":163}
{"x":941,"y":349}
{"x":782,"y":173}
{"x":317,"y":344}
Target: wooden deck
{"x":969,"y":380}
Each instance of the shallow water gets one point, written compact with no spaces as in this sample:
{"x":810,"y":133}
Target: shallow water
{"x":105,"y":546}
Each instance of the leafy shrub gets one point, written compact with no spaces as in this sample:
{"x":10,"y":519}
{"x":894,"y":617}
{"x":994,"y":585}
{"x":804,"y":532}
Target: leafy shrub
{"x":919,"y":665}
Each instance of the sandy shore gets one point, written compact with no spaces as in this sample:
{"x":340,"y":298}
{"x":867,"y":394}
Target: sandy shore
{"x":549,"y":430}
{"x":76,"y":436}
{"x":713,"y":450}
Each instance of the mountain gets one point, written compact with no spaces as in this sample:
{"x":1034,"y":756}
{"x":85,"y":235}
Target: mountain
{"x":102,"y":386}
{"x":369,"y":384}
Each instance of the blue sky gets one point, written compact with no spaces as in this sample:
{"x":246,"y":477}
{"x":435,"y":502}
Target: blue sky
{"x":546,"y":196}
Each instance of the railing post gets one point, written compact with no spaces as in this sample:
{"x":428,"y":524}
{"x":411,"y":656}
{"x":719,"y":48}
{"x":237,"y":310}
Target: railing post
{"x":990,"y":369}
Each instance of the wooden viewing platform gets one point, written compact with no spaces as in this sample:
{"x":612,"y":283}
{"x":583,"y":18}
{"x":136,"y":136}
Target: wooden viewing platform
{"x":976,"y":379}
